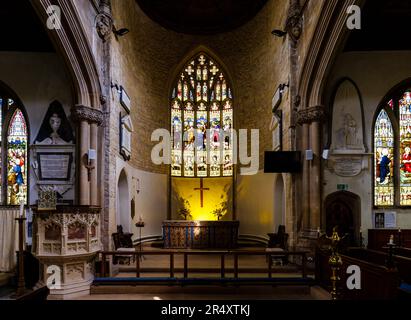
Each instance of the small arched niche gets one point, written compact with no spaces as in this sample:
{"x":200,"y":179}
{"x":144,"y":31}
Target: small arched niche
{"x":123,"y":203}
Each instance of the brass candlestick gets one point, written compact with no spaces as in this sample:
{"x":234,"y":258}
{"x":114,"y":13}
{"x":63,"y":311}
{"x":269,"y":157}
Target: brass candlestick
{"x":335,"y":263}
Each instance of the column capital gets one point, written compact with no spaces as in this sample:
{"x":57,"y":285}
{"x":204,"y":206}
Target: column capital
{"x":83,"y":113}
{"x":312,"y":114}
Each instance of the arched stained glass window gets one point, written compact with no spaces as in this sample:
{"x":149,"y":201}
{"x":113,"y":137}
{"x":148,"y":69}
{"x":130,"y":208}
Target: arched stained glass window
{"x":384,"y":157}
{"x":202,"y":121}
{"x":13,"y":152}
{"x":17,"y":159}
{"x":392,"y":152}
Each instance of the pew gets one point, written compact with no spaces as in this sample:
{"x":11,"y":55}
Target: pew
{"x":402,"y":263}
{"x":377,"y":281}
{"x":378,"y":238}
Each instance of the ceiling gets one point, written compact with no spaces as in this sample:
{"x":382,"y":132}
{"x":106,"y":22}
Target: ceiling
{"x":201,"y":16}
{"x":385,"y":26}
{"x":21,"y":29}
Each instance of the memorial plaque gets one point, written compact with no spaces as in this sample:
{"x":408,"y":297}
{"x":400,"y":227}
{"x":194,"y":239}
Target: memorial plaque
{"x":348,"y":167}
{"x":55,"y":166}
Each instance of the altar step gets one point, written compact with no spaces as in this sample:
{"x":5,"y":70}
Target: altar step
{"x":204,"y":285}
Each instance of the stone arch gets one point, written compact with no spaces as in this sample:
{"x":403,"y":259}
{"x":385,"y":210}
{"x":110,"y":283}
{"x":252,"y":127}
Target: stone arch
{"x":343,"y":209}
{"x":347,"y":82}
{"x":72,"y":44}
{"x":328,"y":39}
{"x":188,"y":56}
{"x":123,"y":215}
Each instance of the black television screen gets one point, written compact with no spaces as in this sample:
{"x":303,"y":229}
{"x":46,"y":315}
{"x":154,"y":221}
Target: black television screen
{"x":282,"y":162}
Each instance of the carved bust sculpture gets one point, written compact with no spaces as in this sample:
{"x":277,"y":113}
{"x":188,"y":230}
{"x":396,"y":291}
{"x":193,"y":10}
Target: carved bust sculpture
{"x":54,"y":138}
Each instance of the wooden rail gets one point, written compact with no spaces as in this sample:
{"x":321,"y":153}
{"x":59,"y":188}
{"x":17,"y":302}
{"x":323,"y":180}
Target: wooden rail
{"x":187,"y":253}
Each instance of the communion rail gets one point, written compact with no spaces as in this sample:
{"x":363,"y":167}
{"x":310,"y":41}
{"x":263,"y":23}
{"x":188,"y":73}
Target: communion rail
{"x":223,"y":270}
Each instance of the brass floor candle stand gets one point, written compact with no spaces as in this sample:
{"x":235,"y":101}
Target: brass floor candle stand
{"x":335,"y":263}
{"x":140,"y":224}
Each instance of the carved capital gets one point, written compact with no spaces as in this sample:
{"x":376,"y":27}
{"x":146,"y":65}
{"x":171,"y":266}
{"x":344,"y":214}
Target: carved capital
{"x":82,"y":113}
{"x":313,"y":114}
{"x":294,"y":24}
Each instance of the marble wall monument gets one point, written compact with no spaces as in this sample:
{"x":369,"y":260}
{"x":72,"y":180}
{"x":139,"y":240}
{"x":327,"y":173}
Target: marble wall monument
{"x":53,"y":154}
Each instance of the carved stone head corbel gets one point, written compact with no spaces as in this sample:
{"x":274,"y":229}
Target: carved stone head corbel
{"x":294,"y":24}
{"x":104,"y":26}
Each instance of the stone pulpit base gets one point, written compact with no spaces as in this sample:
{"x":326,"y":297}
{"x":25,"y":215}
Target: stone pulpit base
{"x":66,"y":244}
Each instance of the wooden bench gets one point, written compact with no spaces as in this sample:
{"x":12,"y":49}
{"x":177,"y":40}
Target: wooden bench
{"x":377,"y":281}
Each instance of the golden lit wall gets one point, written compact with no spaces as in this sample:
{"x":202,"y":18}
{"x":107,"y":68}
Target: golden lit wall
{"x":185,"y":193}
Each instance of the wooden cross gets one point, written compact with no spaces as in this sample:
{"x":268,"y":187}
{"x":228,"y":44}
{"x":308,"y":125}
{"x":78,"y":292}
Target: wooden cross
{"x":202,"y":189}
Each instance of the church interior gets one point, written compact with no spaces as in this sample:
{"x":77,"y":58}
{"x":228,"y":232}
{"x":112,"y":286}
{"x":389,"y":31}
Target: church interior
{"x":177,"y":150}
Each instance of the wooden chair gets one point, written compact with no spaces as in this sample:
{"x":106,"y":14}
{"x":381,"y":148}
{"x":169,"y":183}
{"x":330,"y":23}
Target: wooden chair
{"x":278,"y":242}
{"x":123,"y":242}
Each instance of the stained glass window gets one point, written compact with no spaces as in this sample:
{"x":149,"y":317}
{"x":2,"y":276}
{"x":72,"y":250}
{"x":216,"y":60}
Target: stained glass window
{"x":17,"y":159}
{"x":405,"y":148}
{"x":392,"y":152}
{"x":202,"y":121}
{"x":384,"y":158}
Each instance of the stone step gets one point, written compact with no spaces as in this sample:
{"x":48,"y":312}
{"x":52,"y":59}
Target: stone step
{"x":315,"y":292}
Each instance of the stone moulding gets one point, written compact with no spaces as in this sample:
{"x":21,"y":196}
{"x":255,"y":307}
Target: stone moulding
{"x":83,"y":113}
{"x":313,"y":114}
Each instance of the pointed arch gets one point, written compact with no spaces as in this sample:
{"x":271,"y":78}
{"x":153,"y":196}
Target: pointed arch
{"x":123,"y":202}
{"x":392,"y":174}
{"x":384,"y":160}
{"x":72,"y":44}
{"x":14,"y":141}
{"x":201,"y":99}
{"x":194,"y":51}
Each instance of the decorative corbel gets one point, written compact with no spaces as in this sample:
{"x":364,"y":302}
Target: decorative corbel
{"x":294,"y":24}
{"x":104,"y":21}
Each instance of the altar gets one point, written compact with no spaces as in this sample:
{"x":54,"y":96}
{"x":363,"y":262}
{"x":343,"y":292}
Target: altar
{"x":179,"y":234}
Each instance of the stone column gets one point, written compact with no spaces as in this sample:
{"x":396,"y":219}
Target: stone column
{"x":311,"y":119}
{"x":94,"y":163}
{"x":315,"y":176}
{"x":306,"y":178}
{"x":89,"y":119}
{"x":84,"y":184}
